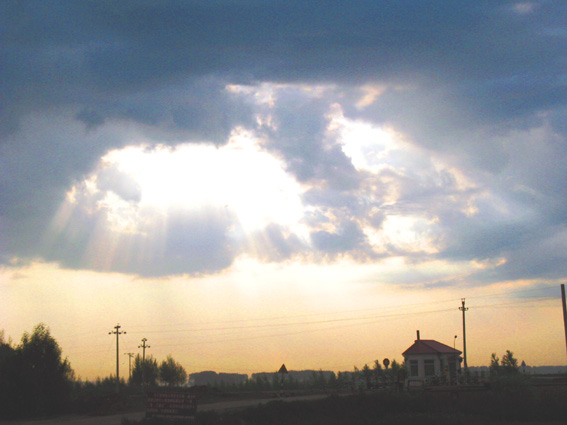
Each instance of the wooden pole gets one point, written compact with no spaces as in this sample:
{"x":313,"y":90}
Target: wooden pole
{"x":564,"y":312}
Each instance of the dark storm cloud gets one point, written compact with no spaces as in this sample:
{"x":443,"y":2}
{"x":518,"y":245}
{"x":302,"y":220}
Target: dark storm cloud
{"x":523,"y":219}
{"x":469,"y":83}
{"x":37,"y":168}
{"x":504,"y":62}
{"x":301,"y":136}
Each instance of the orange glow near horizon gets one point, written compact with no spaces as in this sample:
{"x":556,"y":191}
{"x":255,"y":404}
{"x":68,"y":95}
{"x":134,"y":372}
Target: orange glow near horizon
{"x":224,"y":323}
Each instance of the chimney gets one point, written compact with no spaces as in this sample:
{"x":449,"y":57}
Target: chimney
{"x":417,"y":336}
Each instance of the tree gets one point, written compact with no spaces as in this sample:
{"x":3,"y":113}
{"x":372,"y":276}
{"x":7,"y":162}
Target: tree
{"x":35,"y":379}
{"x":377,"y":371}
{"x":172,"y":373}
{"x":320,"y":379}
{"x":494,"y":364}
{"x":367,"y":375}
{"x":395,"y":367}
{"x":342,"y":380}
{"x":8,"y":378}
{"x":509,"y":363}
{"x":397,"y":372}
{"x":333,"y":382}
{"x":507,"y":366}
{"x":145,"y":372}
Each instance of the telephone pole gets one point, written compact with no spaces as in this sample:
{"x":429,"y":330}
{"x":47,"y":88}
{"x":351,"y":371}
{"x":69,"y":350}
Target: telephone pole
{"x":564,"y":310}
{"x":130,"y":355}
{"x":117,"y":333}
{"x":143,"y":347}
{"x":463,"y":309}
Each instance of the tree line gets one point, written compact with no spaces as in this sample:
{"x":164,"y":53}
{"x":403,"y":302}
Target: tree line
{"x":367,"y":377}
{"x":35,"y":380}
{"x":147,"y":372}
{"x":33,"y":376}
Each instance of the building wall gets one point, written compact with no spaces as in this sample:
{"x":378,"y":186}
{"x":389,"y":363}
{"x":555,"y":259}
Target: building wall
{"x":430,"y":365}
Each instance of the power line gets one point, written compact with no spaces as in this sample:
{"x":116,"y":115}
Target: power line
{"x":395,"y":307}
{"x":366,"y":319}
{"x":274,"y":325}
{"x":104,"y":359}
{"x":535,"y":300}
{"x":241,"y":338}
{"x":344,"y":319}
{"x":269,"y":318}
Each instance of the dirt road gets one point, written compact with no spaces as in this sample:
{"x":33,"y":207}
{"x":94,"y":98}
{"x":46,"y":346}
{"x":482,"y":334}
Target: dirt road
{"x":116,"y":419}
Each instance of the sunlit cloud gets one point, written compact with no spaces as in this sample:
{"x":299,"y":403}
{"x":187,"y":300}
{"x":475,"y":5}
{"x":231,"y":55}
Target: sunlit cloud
{"x":238,"y":177}
{"x":142,"y":202}
{"x":145,"y":202}
{"x":308,"y":182}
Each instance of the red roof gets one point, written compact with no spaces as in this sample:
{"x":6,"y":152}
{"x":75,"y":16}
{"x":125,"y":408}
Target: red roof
{"x":430,"y":346}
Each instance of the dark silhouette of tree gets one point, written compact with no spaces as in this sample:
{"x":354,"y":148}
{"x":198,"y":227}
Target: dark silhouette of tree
{"x":367,"y":375}
{"x":355,"y":378}
{"x":145,"y":372}
{"x":509,"y":363}
{"x":395,"y":367}
{"x":48,"y":378}
{"x":507,"y":366}
{"x":332,"y":381}
{"x":401,"y":371}
{"x":172,"y":373}
{"x":8,"y":378}
{"x":494,"y":364}
{"x":318,"y":379}
{"x":342,"y":379}
{"x":35,"y":380}
{"x":377,"y":371}
{"x":6,"y":348}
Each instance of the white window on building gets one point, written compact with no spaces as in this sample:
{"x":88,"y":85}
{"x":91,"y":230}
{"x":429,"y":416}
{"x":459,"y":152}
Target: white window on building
{"x":414,"y":369}
{"x":429,"y":367}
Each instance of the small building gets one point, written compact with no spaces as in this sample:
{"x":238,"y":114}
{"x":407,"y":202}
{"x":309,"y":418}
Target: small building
{"x":428,"y":359}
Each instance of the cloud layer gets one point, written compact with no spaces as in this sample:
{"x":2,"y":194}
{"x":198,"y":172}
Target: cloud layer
{"x":424,"y":130}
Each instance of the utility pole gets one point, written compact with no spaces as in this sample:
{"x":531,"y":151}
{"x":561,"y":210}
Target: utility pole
{"x":463,"y":309}
{"x":564,"y":311}
{"x":130,"y":355}
{"x":143,"y":347}
{"x":117,"y":333}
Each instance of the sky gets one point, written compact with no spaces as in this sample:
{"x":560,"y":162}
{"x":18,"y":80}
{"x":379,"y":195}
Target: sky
{"x":250,"y":183}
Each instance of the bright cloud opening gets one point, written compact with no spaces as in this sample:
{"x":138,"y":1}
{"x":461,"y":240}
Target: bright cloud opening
{"x":239,"y":177}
